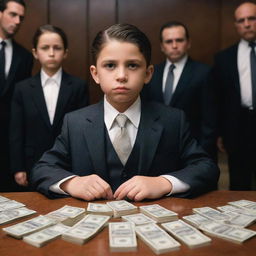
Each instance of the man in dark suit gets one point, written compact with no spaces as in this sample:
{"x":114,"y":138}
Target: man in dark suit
{"x":235,"y":80}
{"x":190,"y":85}
{"x":17,"y":65}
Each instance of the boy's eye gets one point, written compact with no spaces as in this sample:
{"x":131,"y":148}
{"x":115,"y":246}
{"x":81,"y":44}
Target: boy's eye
{"x":110,"y":65}
{"x":133,"y":65}
{"x":45,"y":47}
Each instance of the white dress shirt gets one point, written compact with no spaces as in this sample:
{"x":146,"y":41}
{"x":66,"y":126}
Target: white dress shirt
{"x":51,"y":88}
{"x":133,"y":113}
{"x":179,"y":66}
{"x":244,"y":71}
{"x":8,"y":55}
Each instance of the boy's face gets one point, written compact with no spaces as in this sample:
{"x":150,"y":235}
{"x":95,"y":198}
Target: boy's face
{"x":121,"y":71}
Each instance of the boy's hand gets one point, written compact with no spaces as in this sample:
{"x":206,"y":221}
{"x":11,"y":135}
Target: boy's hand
{"x":87,"y":187}
{"x":141,"y":187}
{"x":21,"y":178}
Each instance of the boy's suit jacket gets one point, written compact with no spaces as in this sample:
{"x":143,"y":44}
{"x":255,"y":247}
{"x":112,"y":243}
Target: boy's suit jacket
{"x":31,"y":132}
{"x":194,"y":95}
{"x":166,"y":147}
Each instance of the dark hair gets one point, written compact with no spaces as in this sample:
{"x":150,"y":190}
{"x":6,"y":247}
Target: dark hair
{"x":171,"y":24}
{"x":50,"y":28}
{"x":3,"y":4}
{"x":124,"y":33}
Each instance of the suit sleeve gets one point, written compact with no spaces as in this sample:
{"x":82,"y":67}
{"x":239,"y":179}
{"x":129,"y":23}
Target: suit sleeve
{"x":54,"y":164}
{"x":17,"y":133}
{"x":198,"y":170}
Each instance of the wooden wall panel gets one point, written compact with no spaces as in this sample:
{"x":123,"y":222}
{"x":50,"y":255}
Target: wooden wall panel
{"x":36,"y":15}
{"x":71,"y":16}
{"x":200,"y":16}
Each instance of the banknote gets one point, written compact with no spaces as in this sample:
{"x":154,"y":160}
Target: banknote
{"x":10,"y":204}
{"x":122,"y":237}
{"x":138,"y":219}
{"x":102,"y":209}
{"x":122,"y":207}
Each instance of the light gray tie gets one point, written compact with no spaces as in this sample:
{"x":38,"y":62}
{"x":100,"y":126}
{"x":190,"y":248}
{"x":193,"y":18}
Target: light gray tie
{"x":122,"y":143}
{"x":169,"y":85}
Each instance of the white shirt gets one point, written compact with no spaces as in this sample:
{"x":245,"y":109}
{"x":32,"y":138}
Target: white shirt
{"x":179,"y":66}
{"x":244,"y":71}
{"x":8,"y":54}
{"x":51,"y":88}
{"x":134,"y":114}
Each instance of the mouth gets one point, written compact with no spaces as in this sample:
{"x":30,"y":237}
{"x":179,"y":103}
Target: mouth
{"x":121,"y":89}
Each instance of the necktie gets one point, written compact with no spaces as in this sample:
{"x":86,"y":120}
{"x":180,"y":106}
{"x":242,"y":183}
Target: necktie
{"x":253,"y":72}
{"x":169,"y":85}
{"x":121,"y":142}
{"x":2,"y":65}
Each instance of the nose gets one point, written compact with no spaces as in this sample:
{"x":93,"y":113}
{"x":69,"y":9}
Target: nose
{"x":121,"y":75}
{"x":246,"y":23}
{"x":17,"y":20}
{"x":51,"y":51}
{"x":174,"y":44}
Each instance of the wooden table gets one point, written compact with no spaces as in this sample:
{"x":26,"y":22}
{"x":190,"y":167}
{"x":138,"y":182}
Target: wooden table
{"x":99,"y":245}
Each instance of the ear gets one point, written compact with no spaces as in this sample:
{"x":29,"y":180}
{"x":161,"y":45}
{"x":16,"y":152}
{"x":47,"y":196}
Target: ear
{"x":149,"y":73}
{"x":66,"y":54}
{"x":94,"y":74}
{"x":34,"y":53}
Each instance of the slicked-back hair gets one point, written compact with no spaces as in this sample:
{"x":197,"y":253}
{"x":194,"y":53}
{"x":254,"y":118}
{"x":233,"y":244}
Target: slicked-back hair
{"x":124,"y":33}
{"x":3,"y":4}
{"x":172,"y":24}
{"x":49,"y":28}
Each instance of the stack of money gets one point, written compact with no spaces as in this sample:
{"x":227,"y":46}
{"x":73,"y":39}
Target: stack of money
{"x":30,"y":226}
{"x":122,"y":237}
{"x":14,"y":214}
{"x":186,"y":233}
{"x":196,"y":219}
{"x":67,"y":215}
{"x":45,"y":236}
{"x":211,"y":213}
{"x":101,"y":209}
{"x":158,"y":213}
{"x":238,"y":210}
{"x":85,"y":229}
{"x":227,"y":232}
{"x":122,"y":207}
{"x":138,"y":219}
{"x":156,"y":238}
{"x":245,"y":204}
{"x":3,"y":199}
{"x":10,"y":204}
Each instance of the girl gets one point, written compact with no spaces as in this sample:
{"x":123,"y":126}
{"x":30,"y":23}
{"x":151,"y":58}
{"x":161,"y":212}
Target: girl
{"x":40,"y":102}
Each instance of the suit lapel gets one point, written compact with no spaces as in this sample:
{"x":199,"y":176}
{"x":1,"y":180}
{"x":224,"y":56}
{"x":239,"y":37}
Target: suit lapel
{"x":63,"y":97}
{"x":150,"y":132}
{"x":233,"y":68}
{"x":13,"y":68}
{"x":183,"y":81}
{"x":94,"y":134}
{"x":38,"y":99}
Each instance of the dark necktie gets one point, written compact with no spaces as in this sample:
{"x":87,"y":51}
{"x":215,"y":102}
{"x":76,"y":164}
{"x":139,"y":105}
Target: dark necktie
{"x":2,"y":64}
{"x":253,"y":72}
{"x":122,"y":143}
{"x":169,"y":85}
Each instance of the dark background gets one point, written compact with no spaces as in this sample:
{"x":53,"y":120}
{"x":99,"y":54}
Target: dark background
{"x":210,"y":22}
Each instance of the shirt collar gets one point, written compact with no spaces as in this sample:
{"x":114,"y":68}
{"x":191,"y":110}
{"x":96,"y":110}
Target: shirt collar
{"x":56,"y":77}
{"x":178,"y":64}
{"x":7,"y":40}
{"x":133,"y":113}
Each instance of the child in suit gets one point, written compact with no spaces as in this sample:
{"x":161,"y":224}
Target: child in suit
{"x":149,"y":156}
{"x":40,"y":102}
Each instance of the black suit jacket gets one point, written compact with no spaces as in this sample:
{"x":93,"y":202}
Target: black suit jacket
{"x":194,"y":95}
{"x":166,"y":147}
{"x":21,"y":67}
{"x":31,"y":132}
{"x":228,"y":87}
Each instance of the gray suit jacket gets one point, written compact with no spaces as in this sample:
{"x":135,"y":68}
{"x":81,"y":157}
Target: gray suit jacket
{"x":166,"y":147}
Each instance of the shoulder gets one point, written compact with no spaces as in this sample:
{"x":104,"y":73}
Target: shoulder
{"x":198,"y":66}
{"x":21,"y":50}
{"x":228,"y":51}
{"x":74,"y":79}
